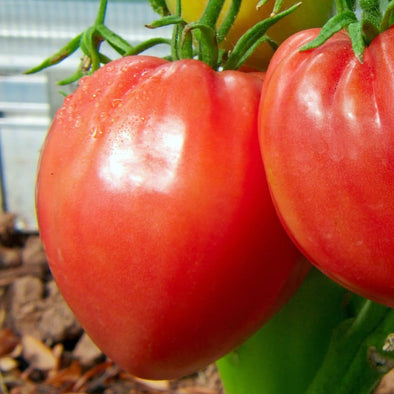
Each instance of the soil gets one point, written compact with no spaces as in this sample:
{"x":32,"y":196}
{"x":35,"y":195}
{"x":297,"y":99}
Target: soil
{"x":44,"y":350}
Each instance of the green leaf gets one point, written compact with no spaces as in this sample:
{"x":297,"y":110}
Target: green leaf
{"x":160,"y":7}
{"x":261,"y":3}
{"x":351,"y":4}
{"x":252,"y":48}
{"x":388,"y":17}
{"x":358,"y":43}
{"x":242,"y":48}
{"x":60,"y":55}
{"x":371,"y":10}
{"x":165,"y":21}
{"x":376,"y":16}
{"x":72,"y":78}
{"x":334,"y":25}
{"x":117,"y":42}
{"x":277,"y":6}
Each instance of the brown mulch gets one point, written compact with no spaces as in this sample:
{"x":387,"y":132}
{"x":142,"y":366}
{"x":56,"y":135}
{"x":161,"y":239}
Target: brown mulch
{"x":44,"y":350}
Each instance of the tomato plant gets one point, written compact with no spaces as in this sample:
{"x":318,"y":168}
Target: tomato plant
{"x":157,"y":219}
{"x":326,"y":133}
{"x":267,"y":364}
{"x":312,"y":13}
{"x":155,"y":214}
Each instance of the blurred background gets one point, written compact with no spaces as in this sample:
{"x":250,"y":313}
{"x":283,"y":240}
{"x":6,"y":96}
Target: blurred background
{"x":30,"y":31}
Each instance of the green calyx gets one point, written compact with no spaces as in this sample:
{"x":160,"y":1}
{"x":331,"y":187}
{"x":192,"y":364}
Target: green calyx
{"x":363,"y":20}
{"x":197,"y":40}
{"x":254,"y":37}
{"x":204,"y":37}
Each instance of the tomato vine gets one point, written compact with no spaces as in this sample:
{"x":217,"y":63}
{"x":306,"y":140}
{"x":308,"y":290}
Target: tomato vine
{"x":89,"y":41}
{"x":354,"y":363}
{"x":198,"y":39}
{"x":376,"y":17}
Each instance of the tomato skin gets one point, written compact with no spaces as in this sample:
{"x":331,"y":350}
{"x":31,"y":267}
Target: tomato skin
{"x":155,"y":214}
{"x":326,"y":134}
{"x":310,"y":14}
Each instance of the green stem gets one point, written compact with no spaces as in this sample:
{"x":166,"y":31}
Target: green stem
{"x":78,"y":74}
{"x":211,"y":13}
{"x":205,"y":33}
{"x":207,"y":44}
{"x":90,"y":46}
{"x":277,"y":6}
{"x":186,"y":45}
{"x":341,"y":5}
{"x":178,"y":8}
{"x":346,"y":368}
{"x":100,"y":18}
{"x":324,"y":341}
{"x":228,"y":20}
{"x":177,"y":34}
{"x":284,"y":356}
{"x":143,"y":46}
{"x":165,"y":21}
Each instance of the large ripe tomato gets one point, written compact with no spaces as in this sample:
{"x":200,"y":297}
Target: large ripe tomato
{"x":155,"y":214}
{"x":327,"y":139}
{"x":311,"y":13}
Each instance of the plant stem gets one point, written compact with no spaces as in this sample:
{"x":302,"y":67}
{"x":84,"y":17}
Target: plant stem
{"x":100,"y":18}
{"x":143,"y":46}
{"x":284,"y":356}
{"x":211,"y":13}
{"x":205,"y":33}
{"x":228,"y":20}
{"x":346,"y":367}
{"x":176,"y":33}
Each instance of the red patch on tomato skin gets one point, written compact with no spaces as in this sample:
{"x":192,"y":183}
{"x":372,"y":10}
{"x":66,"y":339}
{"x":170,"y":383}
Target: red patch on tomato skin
{"x":326,"y":136}
{"x":159,"y":212}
